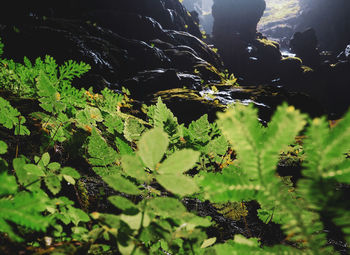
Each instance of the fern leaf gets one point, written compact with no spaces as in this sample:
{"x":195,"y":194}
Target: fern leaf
{"x":338,"y":142}
{"x":25,"y":209}
{"x":101,"y":154}
{"x":227,"y":186}
{"x":72,"y":69}
{"x":199,"y":129}
{"x":241,"y":127}
{"x":284,"y":126}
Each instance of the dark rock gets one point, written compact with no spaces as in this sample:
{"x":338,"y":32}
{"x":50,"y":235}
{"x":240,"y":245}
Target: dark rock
{"x":345,"y":54}
{"x":202,"y":49}
{"x":330,"y":19}
{"x":266,"y":99}
{"x":234,"y":34}
{"x":151,"y":81}
{"x":290,"y":68}
{"x":304,"y":45}
{"x":238,"y":17}
{"x":187,"y":105}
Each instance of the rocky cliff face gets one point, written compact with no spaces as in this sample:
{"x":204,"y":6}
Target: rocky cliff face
{"x":330,"y":19}
{"x":125,"y":42}
{"x":153,"y":48}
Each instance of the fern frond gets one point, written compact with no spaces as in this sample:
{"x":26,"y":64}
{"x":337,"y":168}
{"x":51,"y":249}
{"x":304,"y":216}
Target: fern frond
{"x":241,"y":127}
{"x":101,"y":154}
{"x":338,"y":142}
{"x":226,"y":186}
{"x":284,"y":126}
{"x":25,"y":209}
{"x":72,"y":69}
{"x":343,"y":221}
{"x":242,"y":245}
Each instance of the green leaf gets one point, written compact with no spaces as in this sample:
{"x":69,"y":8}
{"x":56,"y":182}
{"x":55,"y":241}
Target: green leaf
{"x":114,"y":123}
{"x":8,"y":114}
{"x":133,"y":166}
{"x":3,"y":147}
{"x":8,"y":184}
{"x":93,"y":114}
{"x":178,"y":184}
{"x":71,"y":172}
{"x":134,"y":221}
{"x":33,"y":170}
{"x":45,"y":158}
{"x":152,"y":146}
{"x":166,"y":207}
{"x":25,"y":209}
{"x":121,"y":184}
{"x":133,"y":129}
{"x":69,"y":179}
{"x":20,"y":129}
{"x":199,"y":129}
{"x":53,"y":183}
{"x":101,"y":154}
{"x":208,"y":242}
{"x":123,"y":147}
{"x":54,"y":166}
{"x":162,"y":115}
{"x":122,"y":203}
{"x":216,"y":146}
{"x":77,"y":215}
{"x":179,"y":162}
{"x":240,"y":126}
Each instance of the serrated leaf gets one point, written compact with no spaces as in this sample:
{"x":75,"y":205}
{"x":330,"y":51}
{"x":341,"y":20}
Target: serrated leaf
{"x":93,"y":114}
{"x":133,"y":129}
{"x":217,"y":146}
{"x":33,"y":170}
{"x":54,"y":166}
{"x":77,"y":215}
{"x":166,"y":207}
{"x":122,"y":202}
{"x":114,"y":123}
{"x":178,"y":184}
{"x":199,"y":129}
{"x":101,"y":154}
{"x":53,"y":183}
{"x":179,"y":162}
{"x":133,"y":166}
{"x":152,"y":146}
{"x":121,"y":184}
{"x":162,"y":114}
{"x":123,"y":147}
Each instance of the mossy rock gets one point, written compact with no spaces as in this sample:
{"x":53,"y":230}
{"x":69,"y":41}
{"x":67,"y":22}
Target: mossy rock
{"x":187,"y":105}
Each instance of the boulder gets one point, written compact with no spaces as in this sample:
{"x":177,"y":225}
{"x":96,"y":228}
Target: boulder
{"x":304,"y":45}
{"x":238,"y":17}
{"x":234,"y":30}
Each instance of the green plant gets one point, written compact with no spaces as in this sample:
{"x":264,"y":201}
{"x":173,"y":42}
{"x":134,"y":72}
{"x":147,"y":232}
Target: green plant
{"x":258,"y":150}
{"x":155,"y":165}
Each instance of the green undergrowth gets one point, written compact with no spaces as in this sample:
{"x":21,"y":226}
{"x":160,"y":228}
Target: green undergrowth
{"x":153,"y":164}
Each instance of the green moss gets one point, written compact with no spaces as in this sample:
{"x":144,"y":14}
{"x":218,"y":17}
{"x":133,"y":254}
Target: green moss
{"x":307,"y":69}
{"x":267,"y":43}
{"x":293,"y":58}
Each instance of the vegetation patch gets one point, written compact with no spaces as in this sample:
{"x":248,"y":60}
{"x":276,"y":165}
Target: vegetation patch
{"x":152,"y":166}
